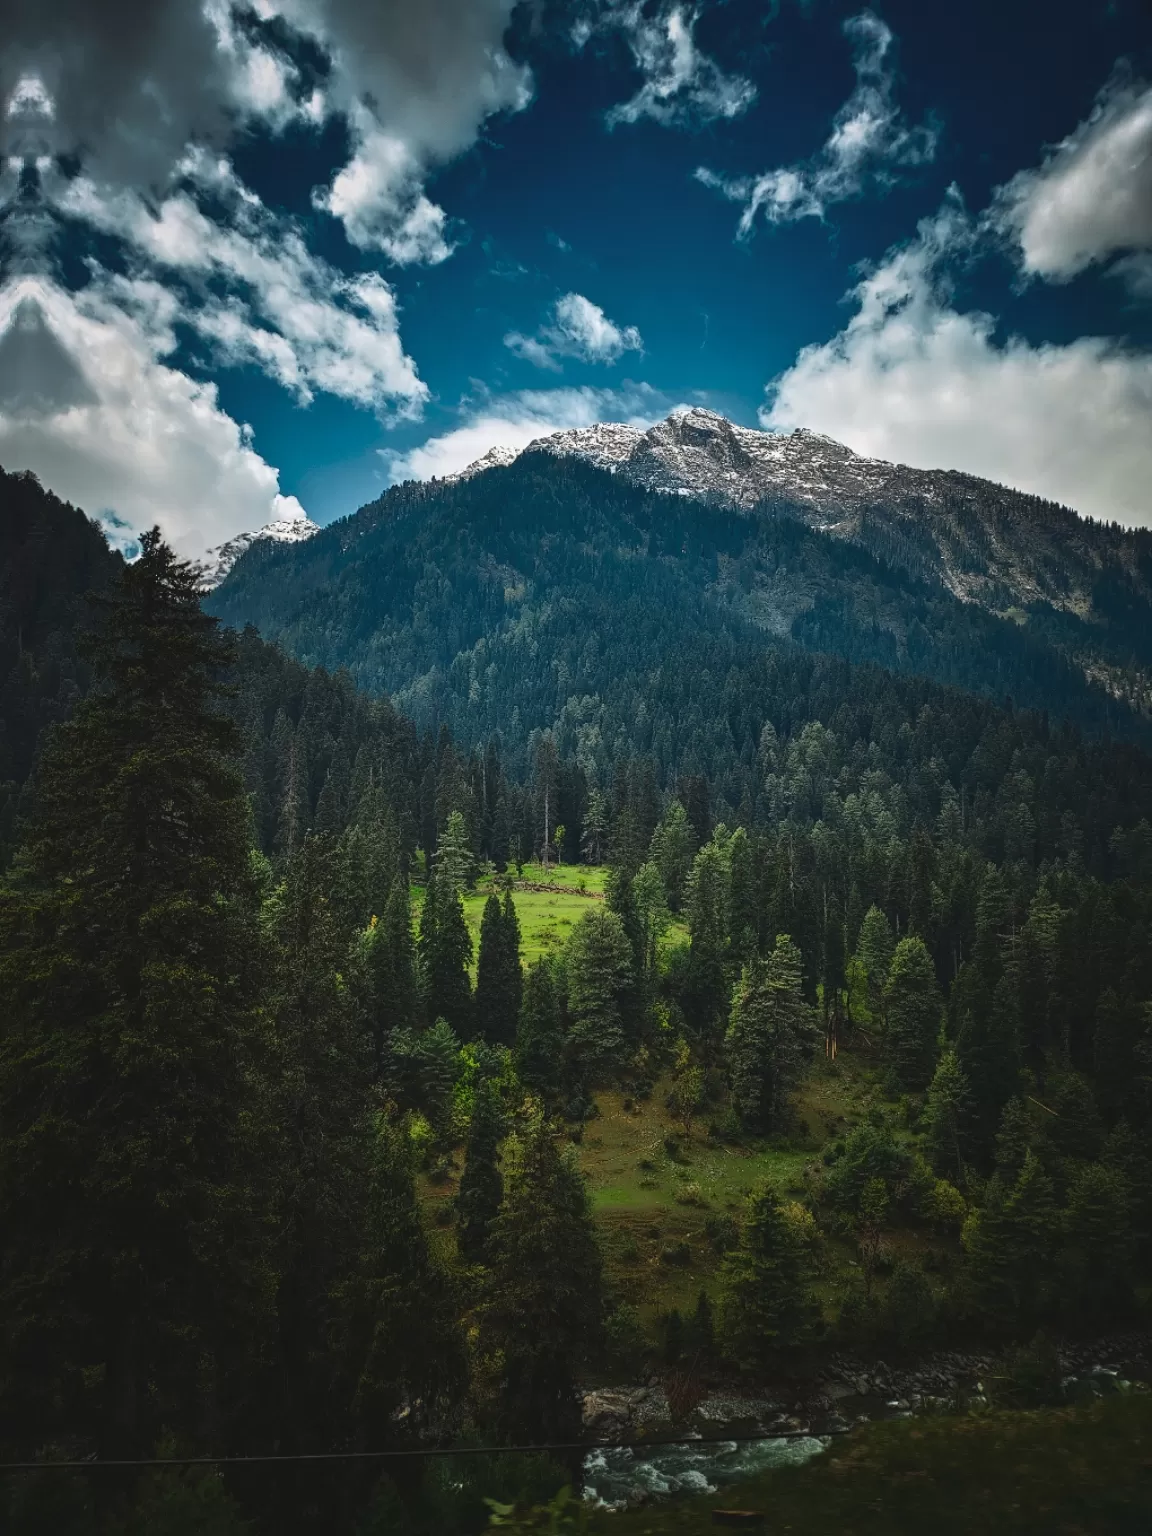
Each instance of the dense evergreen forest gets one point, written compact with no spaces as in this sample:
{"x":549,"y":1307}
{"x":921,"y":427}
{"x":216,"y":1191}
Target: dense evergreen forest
{"x":247,"y":1031}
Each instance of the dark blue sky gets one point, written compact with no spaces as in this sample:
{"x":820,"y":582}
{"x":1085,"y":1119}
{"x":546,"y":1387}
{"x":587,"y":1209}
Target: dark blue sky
{"x":949,"y":207}
{"x":656,"y":249}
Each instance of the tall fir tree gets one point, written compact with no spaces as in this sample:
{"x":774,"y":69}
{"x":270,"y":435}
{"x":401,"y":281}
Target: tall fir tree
{"x":445,"y":951}
{"x":395,"y":996}
{"x":543,"y":1313}
{"x":481,"y":1183}
{"x":874,"y":950}
{"x":600,"y":979}
{"x":499,"y":978}
{"x":770,"y":1028}
{"x":135,"y":1269}
{"x":538,"y":1053}
{"x":767,"y":1303}
{"x":322,"y":1101}
{"x":913,"y":1006}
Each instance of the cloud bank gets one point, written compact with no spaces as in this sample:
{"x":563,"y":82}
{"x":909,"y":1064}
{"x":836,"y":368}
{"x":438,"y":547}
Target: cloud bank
{"x":117,"y":121}
{"x":913,"y":379}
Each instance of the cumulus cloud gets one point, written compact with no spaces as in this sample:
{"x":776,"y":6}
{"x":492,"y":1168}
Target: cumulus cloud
{"x":146,"y":97}
{"x":870,"y":141}
{"x":255,"y":291}
{"x":515,"y":420}
{"x":577,"y":328}
{"x":914,"y":379}
{"x":682,"y":87}
{"x":1091,"y":199}
{"x":88,"y":404}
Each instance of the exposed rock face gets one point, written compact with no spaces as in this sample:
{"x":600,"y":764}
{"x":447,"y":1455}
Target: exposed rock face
{"x":285,"y":530}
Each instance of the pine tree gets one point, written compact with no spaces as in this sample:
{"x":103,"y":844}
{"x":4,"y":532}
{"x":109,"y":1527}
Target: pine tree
{"x":399,"y":1337}
{"x":596,"y":828}
{"x":322,"y":1101}
{"x":671,"y":850}
{"x":481,"y":1183}
{"x":445,"y":953}
{"x":945,"y":1115}
{"x":599,"y":961}
{"x":989,"y":1053}
{"x":539,"y":1039}
{"x":397,"y":995}
{"x":874,"y":950}
{"x":770,"y":1028}
{"x":134,"y":1168}
{"x":652,"y":912}
{"x":499,"y":979}
{"x":544,"y":1306}
{"x":706,"y":909}
{"x":766,"y":1301}
{"x":913,"y":1005}
{"x":1098,"y":1243}
{"x":454,"y":862}
{"x":1011,"y":1244}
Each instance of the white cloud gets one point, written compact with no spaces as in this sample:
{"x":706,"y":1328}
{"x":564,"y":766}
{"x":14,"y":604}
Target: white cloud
{"x":513,"y":421}
{"x":1092,"y":197}
{"x":284,"y":310}
{"x":577,"y":328}
{"x":87,"y":403}
{"x":913,"y":379}
{"x":682,"y":86}
{"x":869,"y":141}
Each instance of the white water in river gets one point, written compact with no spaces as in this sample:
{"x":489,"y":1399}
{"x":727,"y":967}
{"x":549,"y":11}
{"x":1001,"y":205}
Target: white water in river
{"x":618,"y":1475}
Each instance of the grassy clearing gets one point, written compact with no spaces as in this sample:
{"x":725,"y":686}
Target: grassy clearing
{"x":1069,"y":1471}
{"x":547,"y":917}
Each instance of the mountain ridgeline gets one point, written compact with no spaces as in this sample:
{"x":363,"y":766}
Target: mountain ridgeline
{"x":553,"y":593}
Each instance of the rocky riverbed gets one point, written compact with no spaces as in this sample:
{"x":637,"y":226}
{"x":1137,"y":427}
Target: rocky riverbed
{"x":730,"y":1431}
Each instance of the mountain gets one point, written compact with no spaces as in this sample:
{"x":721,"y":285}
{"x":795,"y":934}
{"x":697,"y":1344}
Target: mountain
{"x":552,"y":593}
{"x":282,"y":530}
{"x":983,"y":542}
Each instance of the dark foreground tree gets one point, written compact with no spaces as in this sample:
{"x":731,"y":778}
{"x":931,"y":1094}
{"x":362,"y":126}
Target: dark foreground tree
{"x":481,"y":1183}
{"x":543,"y":1313}
{"x":135,"y":1280}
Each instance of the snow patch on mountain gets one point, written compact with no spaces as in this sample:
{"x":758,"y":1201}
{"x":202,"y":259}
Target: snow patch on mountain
{"x":282,"y":530}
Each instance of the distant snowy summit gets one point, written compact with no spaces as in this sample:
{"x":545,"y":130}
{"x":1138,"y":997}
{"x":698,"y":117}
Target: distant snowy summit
{"x":283,"y":530}
{"x":696,"y":452}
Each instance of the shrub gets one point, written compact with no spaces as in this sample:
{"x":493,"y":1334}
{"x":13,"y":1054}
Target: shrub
{"x":910,"y":1305}
{"x":722,"y":1232}
{"x":676,"y":1254}
{"x":690,"y":1194}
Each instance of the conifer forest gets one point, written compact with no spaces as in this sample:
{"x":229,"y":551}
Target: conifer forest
{"x":671,"y":1000}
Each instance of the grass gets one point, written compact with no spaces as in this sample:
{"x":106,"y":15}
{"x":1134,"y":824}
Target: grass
{"x":546,"y":917}
{"x":1066,"y":1472}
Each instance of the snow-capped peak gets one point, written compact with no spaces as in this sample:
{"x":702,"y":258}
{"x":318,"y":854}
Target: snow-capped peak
{"x":282,"y":530}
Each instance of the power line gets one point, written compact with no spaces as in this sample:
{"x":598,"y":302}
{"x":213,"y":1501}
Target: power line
{"x":425,"y":1451}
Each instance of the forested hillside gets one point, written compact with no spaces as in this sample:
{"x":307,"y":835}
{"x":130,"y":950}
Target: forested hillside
{"x":848,"y":1013}
{"x":552,"y":594}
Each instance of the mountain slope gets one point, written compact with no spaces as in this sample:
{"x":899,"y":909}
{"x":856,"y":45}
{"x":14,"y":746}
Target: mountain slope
{"x":550,"y":592}
{"x":1087,"y":585}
